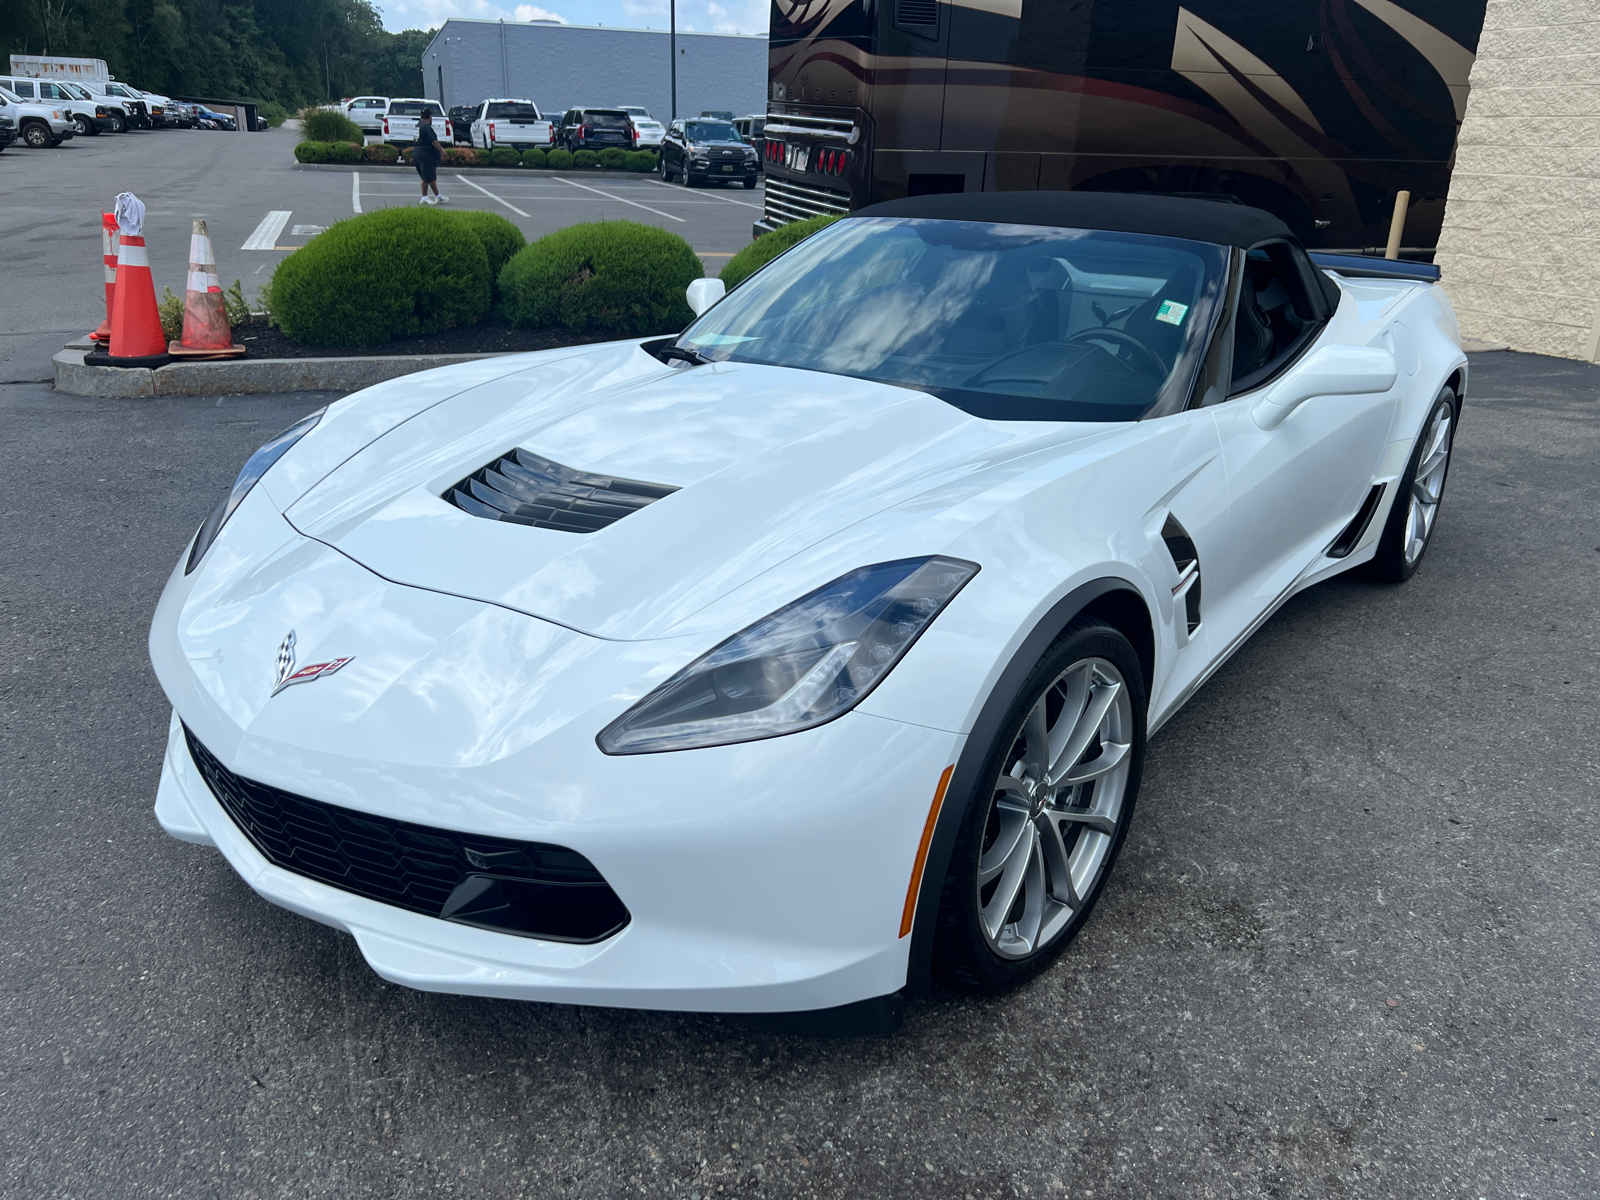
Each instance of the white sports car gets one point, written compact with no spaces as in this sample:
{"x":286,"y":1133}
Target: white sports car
{"x":786,"y":664}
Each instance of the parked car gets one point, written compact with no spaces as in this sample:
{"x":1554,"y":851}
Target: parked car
{"x":160,"y":109}
{"x":403,"y":116}
{"x":514,"y":123}
{"x":88,"y":117}
{"x":461,"y":116}
{"x":717,"y":113}
{"x":704,"y":151}
{"x":49,"y":92}
{"x":367,"y":112}
{"x":596,"y":129}
{"x":651,"y":131}
{"x":123,"y":110}
{"x":8,"y":132}
{"x":214,"y":120}
{"x":750,"y":127}
{"x":38,"y":125}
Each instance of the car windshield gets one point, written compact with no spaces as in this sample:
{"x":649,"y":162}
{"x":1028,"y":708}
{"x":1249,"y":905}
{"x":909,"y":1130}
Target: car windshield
{"x":76,"y":92}
{"x":1006,"y":322}
{"x":414,"y":108}
{"x":712,"y":131}
{"x":11,"y":97}
{"x":512,"y":111}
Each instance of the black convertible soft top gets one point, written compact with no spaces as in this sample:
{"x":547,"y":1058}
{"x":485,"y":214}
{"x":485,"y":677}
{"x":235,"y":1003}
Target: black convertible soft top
{"x":1217,"y":222}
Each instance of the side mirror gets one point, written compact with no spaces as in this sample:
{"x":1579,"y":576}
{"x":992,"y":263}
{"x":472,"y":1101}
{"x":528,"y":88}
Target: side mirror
{"x":1329,"y":371}
{"x":703,"y":293}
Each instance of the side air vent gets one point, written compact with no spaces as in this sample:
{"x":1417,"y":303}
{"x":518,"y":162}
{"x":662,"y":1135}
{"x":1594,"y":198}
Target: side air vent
{"x":530,"y":490}
{"x":1187,"y":560}
{"x":1346,"y":541}
{"x":916,"y":12}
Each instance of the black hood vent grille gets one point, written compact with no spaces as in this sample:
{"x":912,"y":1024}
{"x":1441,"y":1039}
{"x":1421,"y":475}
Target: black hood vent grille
{"x":529,"y":490}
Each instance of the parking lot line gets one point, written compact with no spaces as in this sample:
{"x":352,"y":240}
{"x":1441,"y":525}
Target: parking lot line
{"x":266,"y":235}
{"x":493,"y":197}
{"x":609,"y":196}
{"x":355,"y":191}
{"x":729,"y":199}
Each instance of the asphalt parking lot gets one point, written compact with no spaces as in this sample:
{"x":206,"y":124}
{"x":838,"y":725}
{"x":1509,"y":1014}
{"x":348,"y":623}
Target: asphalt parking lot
{"x":259,"y":208}
{"x":1351,"y":949}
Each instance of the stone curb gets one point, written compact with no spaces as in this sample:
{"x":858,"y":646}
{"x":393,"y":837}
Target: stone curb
{"x":241,"y":376}
{"x":469,"y":172}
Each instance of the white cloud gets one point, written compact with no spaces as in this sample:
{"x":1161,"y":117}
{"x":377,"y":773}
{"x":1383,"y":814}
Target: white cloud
{"x":532,"y":12}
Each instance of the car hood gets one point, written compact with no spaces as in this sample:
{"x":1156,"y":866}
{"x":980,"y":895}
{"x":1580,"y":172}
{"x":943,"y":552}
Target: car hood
{"x":767,"y":462}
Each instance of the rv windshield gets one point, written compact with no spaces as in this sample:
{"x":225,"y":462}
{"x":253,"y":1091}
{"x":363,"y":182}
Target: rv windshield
{"x":1006,"y":322}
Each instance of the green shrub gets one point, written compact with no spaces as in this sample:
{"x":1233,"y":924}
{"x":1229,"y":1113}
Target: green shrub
{"x":499,"y":237}
{"x":379,"y":152}
{"x":344,"y":152}
{"x":613,"y":158}
{"x":273,"y":114}
{"x":767,"y":247}
{"x":534,"y":158}
{"x":611,"y":275}
{"x":504,"y":156}
{"x":329,"y":125}
{"x":641,"y":161}
{"x":397,"y":272}
{"x":462,"y":156}
{"x":311,"y":152}
{"x":408,"y":155}
{"x":170,"y":309}
{"x":585,"y":158}
{"x":559,"y":160}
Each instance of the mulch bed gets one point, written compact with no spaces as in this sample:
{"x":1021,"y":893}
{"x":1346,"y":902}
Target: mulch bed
{"x":492,"y":335}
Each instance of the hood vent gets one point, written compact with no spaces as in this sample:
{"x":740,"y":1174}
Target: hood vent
{"x":530,"y":490}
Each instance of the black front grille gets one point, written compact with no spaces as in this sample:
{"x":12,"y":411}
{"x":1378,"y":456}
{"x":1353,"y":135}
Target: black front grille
{"x":530,"y":490}
{"x":527,"y":888}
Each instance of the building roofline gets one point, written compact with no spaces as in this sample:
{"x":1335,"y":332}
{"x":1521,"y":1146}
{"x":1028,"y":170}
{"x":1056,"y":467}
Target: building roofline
{"x":609,"y":28}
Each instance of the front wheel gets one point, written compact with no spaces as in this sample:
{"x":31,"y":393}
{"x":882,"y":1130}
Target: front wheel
{"x":1050,"y":813}
{"x":1415,"y":511}
{"x":119,"y":123}
{"x":37,"y":136}
{"x":750,"y":184}
{"x":82,"y":125}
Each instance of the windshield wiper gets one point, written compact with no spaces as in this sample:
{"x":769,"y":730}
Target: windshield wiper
{"x":682,"y":353}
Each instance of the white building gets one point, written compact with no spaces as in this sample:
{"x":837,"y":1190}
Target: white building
{"x":563,"y":66}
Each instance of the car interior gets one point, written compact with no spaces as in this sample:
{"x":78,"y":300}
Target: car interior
{"x":1276,"y":317}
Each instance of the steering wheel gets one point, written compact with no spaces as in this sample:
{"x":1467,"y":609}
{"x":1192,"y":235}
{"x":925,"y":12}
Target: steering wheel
{"x":1148,"y":360}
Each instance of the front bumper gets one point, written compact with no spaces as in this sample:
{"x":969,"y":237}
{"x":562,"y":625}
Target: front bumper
{"x":717,"y":170}
{"x":764,"y":877}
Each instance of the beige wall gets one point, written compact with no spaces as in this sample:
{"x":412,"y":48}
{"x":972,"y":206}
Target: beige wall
{"x":1520,"y":249}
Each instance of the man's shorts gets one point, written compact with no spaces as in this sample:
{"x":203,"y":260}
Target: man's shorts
{"x":428,"y":168}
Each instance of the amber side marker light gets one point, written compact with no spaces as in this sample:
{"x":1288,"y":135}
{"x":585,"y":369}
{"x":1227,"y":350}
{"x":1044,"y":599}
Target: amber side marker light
{"x":922,"y":851}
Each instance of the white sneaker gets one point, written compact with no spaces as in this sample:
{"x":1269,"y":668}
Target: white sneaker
{"x":441,"y":199}
{"x":425,"y":200}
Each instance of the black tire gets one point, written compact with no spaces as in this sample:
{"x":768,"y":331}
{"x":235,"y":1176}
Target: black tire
{"x":963,"y":955}
{"x":82,"y":125}
{"x":1392,"y":563}
{"x":119,"y":123}
{"x":750,"y":184}
{"x":36,"y":135}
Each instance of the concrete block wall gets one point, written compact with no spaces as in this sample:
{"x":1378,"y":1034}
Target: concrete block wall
{"x":1520,"y":248}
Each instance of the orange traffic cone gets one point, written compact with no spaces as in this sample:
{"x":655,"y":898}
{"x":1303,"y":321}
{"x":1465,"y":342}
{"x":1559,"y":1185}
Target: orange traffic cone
{"x":206,"y":333}
{"x":108,"y":255}
{"x":136,"y":337}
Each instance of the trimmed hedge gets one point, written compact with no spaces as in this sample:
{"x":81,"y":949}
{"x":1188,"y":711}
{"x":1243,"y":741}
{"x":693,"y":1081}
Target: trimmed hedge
{"x":767,"y":247}
{"x":613,"y":158}
{"x":505,"y":156}
{"x":344,"y":152}
{"x":381,"y":152}
{"x":534,"y":158}
{"x":461,"y":156}
{"x":619,"y":276}
{"x":326,"y":125}
{"x":641,"y":161}
{"x":559,"y":160}
{"x":584,"y":158}
{"x":397,"y":272}
{"x":499,"y":237}
{"x":312,"y":152}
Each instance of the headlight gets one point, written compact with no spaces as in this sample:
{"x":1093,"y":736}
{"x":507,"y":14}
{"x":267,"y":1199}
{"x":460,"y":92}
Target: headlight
{"x":807,"y":663}
{"x":254,"y":469}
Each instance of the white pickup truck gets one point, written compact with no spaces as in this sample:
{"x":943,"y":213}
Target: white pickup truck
{"x":404,"y":115}
{"x":516,"y":124}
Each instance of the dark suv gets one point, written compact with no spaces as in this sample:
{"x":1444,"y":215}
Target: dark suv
{"x":461,"y":123}
{"x":596,"y":129}
{"x":704,"y":151}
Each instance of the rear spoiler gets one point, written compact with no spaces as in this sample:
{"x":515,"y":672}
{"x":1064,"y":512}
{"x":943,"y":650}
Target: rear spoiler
{"x":1363,"y":266}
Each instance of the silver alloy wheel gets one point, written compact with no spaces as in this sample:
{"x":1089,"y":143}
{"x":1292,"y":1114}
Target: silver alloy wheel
{"x":1055,"y":810}
{"x":1427,"y":486}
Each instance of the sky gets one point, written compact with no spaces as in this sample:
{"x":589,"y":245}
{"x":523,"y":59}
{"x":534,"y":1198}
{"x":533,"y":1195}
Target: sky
{"x":704,"y":16}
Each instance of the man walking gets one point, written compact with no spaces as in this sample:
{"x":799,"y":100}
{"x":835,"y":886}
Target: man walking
{"x":427,"y":157}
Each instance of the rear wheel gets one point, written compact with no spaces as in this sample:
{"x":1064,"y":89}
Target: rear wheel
{"x":1415,"y":511}
{"x":1043,"y":829}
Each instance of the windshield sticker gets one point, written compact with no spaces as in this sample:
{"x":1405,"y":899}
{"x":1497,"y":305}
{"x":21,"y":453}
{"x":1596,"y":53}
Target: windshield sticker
{"x":1172,"y":312}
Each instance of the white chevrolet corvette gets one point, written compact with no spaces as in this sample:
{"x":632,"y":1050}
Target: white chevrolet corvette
{"x":786,"y":664}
